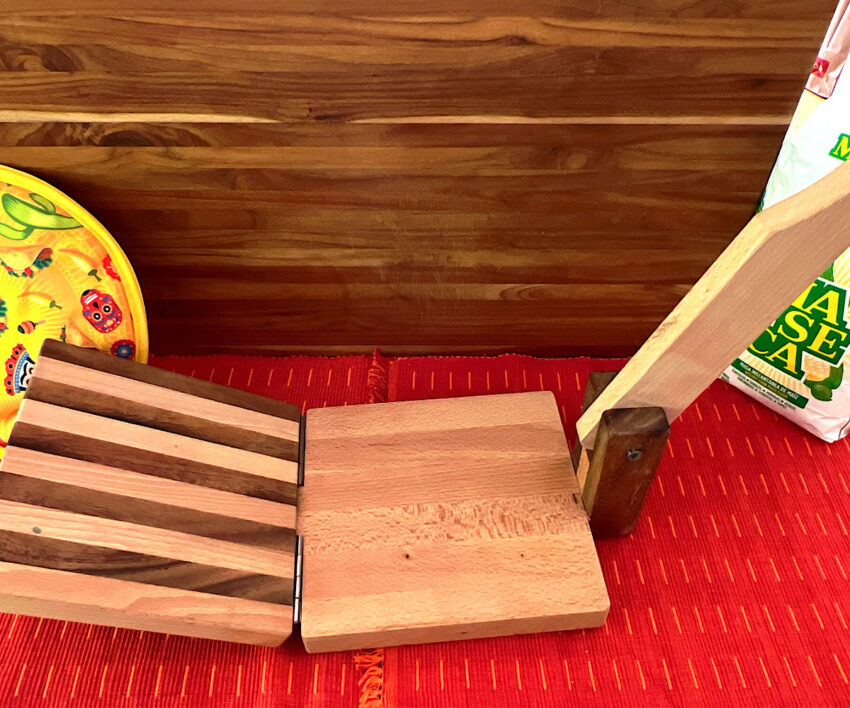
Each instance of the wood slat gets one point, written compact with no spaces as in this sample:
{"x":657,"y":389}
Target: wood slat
{"x":67,"y":484}
{"x":34,"y":535}
{"x":43,"y":552}
{"x":319,"y":34}
{"x":134,"y":538}
{"x":99,"y":361}
{"x":385,"y":48}
{"x":83,"y":436}
{"x":111,"y":480}
{"x":134,"y":167}
{"x":200,"y":10}
{"x":161,"y":408}
{"x":86,"y":598}
{"x":633,"y":141}
{"x":372,"y":46}
{"x":417,"y":94}
{"x":459,"y":325}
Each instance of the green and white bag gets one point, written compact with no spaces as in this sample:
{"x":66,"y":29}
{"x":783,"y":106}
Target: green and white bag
{"x":798,"y":366}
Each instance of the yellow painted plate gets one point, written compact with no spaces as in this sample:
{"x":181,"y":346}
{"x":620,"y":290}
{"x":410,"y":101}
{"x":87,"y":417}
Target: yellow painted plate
{"x":62,"y":276}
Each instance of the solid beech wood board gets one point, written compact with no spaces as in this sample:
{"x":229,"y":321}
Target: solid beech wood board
{"x":438,"y":520}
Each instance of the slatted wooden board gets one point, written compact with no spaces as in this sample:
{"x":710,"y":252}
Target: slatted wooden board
{"x":448,"y":519}
{"x":151,"y":500}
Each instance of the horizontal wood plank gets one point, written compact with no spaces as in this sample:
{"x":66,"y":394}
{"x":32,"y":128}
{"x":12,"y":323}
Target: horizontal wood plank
{"x":111,"y":480}
{"x":200,"y":10}
{"x":83,"y":436}
{"x":324,"y":146}
{"x":134,"y":538}
{"x":86,"y":598}
{"x":114,"y":396}
{"x":410,"y":94}
{"x":43,"y":552}
{"x":631,"y":141}
{"x":319,"y":34}
{"x":32,"y":477}
{"x":99,"y":361}
{"x":464,"y":324}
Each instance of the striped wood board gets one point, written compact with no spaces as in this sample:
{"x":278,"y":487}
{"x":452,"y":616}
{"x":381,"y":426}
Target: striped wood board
{"x":151,"y":500}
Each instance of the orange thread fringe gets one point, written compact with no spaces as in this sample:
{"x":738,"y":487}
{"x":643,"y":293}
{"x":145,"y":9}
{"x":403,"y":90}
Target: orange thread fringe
{"x":370,"y":665}
{"x":378,"y":378}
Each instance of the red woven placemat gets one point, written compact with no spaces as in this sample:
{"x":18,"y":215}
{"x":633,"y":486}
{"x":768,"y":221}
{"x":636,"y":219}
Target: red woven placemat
{"x":733,"y":589}
{"x":58,"y":663}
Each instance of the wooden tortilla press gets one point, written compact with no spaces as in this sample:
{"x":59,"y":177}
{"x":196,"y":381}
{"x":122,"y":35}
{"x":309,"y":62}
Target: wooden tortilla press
{"x":139,"y":498}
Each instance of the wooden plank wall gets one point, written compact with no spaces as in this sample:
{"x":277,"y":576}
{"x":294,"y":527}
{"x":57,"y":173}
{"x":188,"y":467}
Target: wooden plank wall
{"x":325,"y":175}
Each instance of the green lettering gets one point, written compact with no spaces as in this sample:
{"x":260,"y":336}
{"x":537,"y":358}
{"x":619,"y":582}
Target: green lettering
{"x":800,"y":330}
{"x":761,"y":347}
{"x":841,"y":150}
{"x":789,"y":356}
{"x":825,"y":347}
{"x":830,"y":305}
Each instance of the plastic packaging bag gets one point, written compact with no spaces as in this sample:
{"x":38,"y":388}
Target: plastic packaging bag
{"x":798,"y":366}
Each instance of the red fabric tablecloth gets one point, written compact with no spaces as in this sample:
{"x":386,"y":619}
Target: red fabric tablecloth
{"x":734,"y":588}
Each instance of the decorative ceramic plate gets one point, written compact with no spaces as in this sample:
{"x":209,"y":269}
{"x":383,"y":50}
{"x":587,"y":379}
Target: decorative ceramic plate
{"x":62,"y":276}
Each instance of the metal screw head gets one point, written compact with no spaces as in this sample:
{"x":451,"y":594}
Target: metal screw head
{"x":634,"y":454}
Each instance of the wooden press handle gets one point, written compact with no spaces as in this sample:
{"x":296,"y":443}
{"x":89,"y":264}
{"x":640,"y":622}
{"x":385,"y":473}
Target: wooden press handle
{"x":771,"y":261}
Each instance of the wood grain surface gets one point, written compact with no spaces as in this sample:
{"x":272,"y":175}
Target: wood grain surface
{"x":83,"y":436}
{"x":34,"y":477}
{"x":616,"y":475}
{"x":89,"y":534}
{"x":287,"y":414}
{"x":544,"y":176}
{"x":101,"y":384}
{"x":447,"y":519}
{"x":132,"y":482}
{"x":31,"y":590}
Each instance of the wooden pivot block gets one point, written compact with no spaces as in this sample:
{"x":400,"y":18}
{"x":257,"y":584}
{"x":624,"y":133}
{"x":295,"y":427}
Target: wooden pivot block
{"x":438,"y":520}
{"x":615,"y":476}
{"x":139,"y":498}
